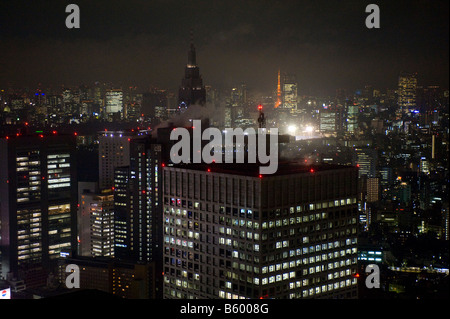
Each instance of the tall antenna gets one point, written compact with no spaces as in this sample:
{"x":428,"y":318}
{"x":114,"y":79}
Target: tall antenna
{"x":192,"y":59}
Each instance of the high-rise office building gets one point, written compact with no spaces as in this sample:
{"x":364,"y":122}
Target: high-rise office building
{"x":446,"y":221}
{"x":290,"y":92}
{"x":138,"y":207}
{"x":114,"y":101}
{"x":192,"y":90}
{"x":138,"y":203}
{"x":113,"y":151}
{"x":407,"y":85}
{"x":373,"y":189}
{"x":366,"y":159}
{"x":352,"y":116}
{"x":232,"y":233}
{"x":96,"y":224}
{"x":145,"y":206}
{"x":121,"y":206}
{"x":331,"y":119}
{"x":38,"y":202}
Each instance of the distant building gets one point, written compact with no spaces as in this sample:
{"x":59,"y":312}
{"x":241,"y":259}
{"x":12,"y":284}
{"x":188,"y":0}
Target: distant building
{"x":331,"y":119}
{"x":192,"y":90}
{"x":366,"y":159}
{"x":290,"y":98}
{"x":352,"y":116}
{"x":114,"y":101}
{"x":407,"y":85}
{"x":154,"y":105}
{"x":373,"y":189}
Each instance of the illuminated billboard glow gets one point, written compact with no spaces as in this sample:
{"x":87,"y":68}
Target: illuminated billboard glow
{"x":5,"y":293}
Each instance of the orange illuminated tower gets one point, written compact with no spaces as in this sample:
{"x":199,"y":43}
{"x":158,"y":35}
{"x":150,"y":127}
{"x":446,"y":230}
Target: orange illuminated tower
{"x":278,"y":103}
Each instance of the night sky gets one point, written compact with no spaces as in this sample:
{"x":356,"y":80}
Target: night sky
{"x":145,"y":42}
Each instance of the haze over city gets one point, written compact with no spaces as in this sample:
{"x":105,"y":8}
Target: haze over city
{"x":112,"y":188}
{"x":143,"y":43}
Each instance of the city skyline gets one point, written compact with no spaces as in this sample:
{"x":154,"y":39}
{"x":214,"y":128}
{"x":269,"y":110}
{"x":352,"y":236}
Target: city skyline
{"x":248,"y":149}
{"x":326,"y":44}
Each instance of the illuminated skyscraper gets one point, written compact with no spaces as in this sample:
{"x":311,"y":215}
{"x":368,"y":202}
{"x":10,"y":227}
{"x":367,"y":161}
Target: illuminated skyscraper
{"x":231,"y":233}
{"x":38,"y":202}
{"x":121,"y":215}
{"x":331,"y":118}
{"x":366,"y":159}
{"x":290,"y":92}
{"x":352,"y":116}
{"x":96,"y":224}
{"x":145,"y":206}
{"x":138,"y":215}
{"x":407,"y":85}
{"x":114,"y":101}
{"x":373,"y":189}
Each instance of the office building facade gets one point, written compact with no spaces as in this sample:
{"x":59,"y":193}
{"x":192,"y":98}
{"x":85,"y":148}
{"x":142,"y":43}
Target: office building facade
{"x":121,"y":206}
{"x":113,"y":151}
{"x":232,"y":233}
{"x":114,"y":101}
{"x":96,"y":224}
{"x":407,"y":86}
{"x":138,"y":208}
{"x":38,"y":201}
{"x":122,"y":279}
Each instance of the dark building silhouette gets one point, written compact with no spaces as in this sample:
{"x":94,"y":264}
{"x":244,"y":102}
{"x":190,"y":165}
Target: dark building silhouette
{"x":192,"y":90}
{"x":138,"y":206}
{"x":153,"y":100}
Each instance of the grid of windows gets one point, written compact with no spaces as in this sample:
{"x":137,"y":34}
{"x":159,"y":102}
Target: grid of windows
{"x":220,"y":241}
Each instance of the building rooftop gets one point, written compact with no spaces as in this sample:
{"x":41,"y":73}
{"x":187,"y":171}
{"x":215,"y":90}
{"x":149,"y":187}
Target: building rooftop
{"x":252,"y":169}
